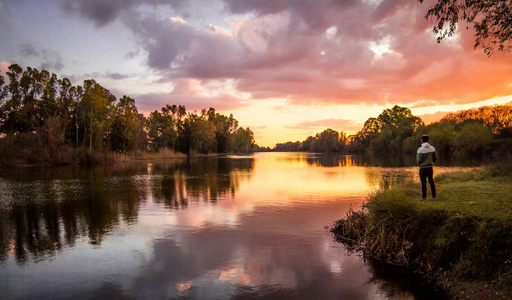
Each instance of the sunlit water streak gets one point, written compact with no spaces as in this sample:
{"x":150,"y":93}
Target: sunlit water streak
{"x":216,"y":228}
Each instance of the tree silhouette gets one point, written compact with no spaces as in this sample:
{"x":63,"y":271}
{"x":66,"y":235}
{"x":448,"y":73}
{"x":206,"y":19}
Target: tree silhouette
{"x":491,"y":19}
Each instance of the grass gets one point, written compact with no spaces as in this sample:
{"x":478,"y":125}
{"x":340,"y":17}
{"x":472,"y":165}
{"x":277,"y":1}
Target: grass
{"x":164,"y":153}
{"x":480,"y":193}
{"x":462,"y":240}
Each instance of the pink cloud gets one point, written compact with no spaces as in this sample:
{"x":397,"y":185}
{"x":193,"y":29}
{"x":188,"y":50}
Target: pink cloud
{"x":323,"y":52}
{"x":189,"y":93}
{"x":417,"y":69}
{"x":4,"y":66}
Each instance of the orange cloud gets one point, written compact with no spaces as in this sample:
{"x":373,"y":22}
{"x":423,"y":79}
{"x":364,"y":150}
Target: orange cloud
{"x":336,"y":124}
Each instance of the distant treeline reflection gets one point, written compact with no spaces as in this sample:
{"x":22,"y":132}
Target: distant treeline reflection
{"x":400,"y":160}
{"x":47,"y":209}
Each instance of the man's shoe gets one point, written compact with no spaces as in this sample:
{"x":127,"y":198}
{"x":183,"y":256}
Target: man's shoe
{"x":423,"y":199}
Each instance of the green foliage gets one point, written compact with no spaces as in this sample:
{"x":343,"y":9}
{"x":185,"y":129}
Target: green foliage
{"x":197,"y":135}
{"x":396,"y":129}
{"x":469,"y":131}
{"x":44,"y":119}
{"x":390,"y":131}
{"x":490,"y":19}
{"x":498,"y":118}
{"x":225,"y":131}
{"x":473,"y":138}
{"x":444,"y":135}
{"x":327,"y":141}
{"x":127,"y":134}
{"x":243,"y":140}
{"x":96,"y":113}
{"x":296,"y":146}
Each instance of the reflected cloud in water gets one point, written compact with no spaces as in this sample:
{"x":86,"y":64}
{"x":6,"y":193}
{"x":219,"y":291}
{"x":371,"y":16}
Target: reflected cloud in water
{"x":206,"y":228}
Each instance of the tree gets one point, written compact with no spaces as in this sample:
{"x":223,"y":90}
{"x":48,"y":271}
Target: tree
{"x":497,"y":117}
{"x":491,"y":19}
{"x":391,"y":129}
{"x":225,"y":127}
{"x":328,"y":141}
{"x":95,"y":113}
{"x":197,"y":135}
{"x":10,"y":111}
{"x":309,"y":144}
{"x":243,"y":140}
{"x":473,"y":138}
{"x":163,"y":127}
{"x":127,"y":126}
{"x":3,"y":90}
{"x":444,"y":135}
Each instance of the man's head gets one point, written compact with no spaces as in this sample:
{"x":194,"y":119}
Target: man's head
{"x":424,"y":138}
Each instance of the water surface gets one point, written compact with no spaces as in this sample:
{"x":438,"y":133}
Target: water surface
{"x":211,"y":228}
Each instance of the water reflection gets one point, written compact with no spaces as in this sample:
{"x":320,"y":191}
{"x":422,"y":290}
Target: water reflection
{"x":399,"y":283}
{"x":44,"y":215}
{"x":45,"y":209}
{"x":210,"y":228}
{"x":199,"y":179}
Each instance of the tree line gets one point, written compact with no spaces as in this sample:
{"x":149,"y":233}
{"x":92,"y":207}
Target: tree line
{"x":44,"y":119}
{"x":397,"y":130}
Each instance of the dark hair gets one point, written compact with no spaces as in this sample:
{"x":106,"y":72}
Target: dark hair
{"x":424,"y":138}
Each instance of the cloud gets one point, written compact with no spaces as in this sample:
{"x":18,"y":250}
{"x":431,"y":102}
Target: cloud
{"x":192,"y":94}
{"x":325,"y":52}
{"x":102,"y":12}
{"x":164,"y":41}
{"x":52,"y":60}
{"x":4,"y":66}
{"x":110,"y":75}
{"x":179,"y":50}
{"x":434,"y":117}
{"x":29,"y":49}
{"x":5,"y":18}
{"x":337,"y":124}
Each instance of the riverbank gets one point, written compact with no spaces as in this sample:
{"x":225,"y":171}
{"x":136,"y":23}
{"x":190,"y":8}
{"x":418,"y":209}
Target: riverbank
{"x":461,"y":241}
{"x":86,"y":157}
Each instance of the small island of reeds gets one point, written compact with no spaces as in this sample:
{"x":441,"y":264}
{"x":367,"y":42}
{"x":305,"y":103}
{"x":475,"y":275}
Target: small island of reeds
{"x":461,"y":241}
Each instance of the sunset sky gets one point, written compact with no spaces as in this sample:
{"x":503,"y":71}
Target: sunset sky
{"x":285,"y":68}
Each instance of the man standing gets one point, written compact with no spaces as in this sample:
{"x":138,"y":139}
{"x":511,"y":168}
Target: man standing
{"x":426,"y":157}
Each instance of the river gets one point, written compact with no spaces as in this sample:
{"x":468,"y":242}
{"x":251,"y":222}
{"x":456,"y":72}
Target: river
{"x":237,"y":227}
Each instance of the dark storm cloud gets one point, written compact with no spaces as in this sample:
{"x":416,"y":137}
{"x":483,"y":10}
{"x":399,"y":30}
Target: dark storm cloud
{"x":102,"y":12}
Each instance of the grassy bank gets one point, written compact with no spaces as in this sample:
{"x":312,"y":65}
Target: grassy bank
{"x":461,"y":241}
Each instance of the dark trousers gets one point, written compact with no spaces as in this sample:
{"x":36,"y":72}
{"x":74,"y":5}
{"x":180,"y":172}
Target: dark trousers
{"x":424,"y":174}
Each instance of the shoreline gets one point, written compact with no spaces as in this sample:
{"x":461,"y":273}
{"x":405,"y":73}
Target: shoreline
{"x":111,"y":158}
{"x":460,"y":242}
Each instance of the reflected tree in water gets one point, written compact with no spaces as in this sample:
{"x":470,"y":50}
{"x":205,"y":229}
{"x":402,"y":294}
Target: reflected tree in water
{"x":45,"y":215}
{"x":48,"y":209}
{"x":197,"y":179}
